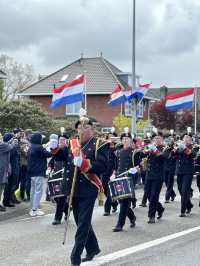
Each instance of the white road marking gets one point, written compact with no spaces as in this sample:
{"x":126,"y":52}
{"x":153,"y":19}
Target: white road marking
{"x":129,"y":251}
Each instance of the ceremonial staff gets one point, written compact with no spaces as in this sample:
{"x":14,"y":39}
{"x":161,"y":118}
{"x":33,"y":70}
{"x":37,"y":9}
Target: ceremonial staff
{"x":83,"y":120}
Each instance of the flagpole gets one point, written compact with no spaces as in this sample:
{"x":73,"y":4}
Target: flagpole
{"x":195,"y":111}
{"x":134,"y":105}
{"x":85,"y":90}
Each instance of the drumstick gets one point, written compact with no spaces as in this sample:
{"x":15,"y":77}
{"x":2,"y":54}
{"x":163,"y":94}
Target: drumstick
{"x":126,"y":172}
{"x":70,"y":203}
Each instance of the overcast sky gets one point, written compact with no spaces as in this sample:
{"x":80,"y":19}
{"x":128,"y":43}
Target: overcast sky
{"x":49,"y":34}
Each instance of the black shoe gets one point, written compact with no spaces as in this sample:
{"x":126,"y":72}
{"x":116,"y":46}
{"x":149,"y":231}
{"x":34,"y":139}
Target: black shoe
{"x":172,"y":198}
{"x":117,"y":229}
{"x":160,"y":214}
{"x":9,"y":205}
{"x":151,"y":220}
{"x":167,"y":201}
{"x":182,"y":215}
{"x":2,"y":208}
{"x":132,"y":225}
{"x":56,"y":222}
{"x":15,"y":201}
{"x":106,"y":214}
{"x":143,"y":205}
{"x":114,"y":210}
{"x":90,"y":257}
{"x":188,"y":211}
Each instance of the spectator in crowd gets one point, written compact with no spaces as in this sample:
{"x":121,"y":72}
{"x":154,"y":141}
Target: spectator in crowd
{"x":5,"y":169}
{"x":36,"y":170}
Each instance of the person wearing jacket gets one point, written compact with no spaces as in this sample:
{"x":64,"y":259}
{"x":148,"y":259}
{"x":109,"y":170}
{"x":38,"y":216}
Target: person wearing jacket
{"x":5,"y":149}
{"x":9,"y":199}
{"x":169,"y":171}
{"x":185,"y":173}
{"x":125,"y":162}
{"x":155,"y":178}
{"x":36,"y":170}
{"x":58,"y":162}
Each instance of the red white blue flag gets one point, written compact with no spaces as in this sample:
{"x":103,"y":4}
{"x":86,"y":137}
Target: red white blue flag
{"x":70,"y":92}
{"x":181,"y":100}
{"x":139,"y":93}
{"x":117,"y":96}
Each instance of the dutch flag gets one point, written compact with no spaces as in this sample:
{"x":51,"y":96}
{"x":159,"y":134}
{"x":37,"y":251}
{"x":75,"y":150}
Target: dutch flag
{"x":70,"y":92}
{"x":182,"y":100}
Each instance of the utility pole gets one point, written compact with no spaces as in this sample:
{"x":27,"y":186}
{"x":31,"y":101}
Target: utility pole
{"x":195,"y":111}
{"x":134,"y":103}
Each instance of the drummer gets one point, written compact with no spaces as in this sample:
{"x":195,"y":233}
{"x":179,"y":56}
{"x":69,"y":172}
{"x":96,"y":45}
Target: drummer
{"x":125,"y":163}
{"x":58,"y":162}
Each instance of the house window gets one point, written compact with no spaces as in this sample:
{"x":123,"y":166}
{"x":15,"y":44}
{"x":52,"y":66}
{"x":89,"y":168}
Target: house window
{"x":140,"y":109}
{"x":127,"y":109}
{"x":73,"y":109}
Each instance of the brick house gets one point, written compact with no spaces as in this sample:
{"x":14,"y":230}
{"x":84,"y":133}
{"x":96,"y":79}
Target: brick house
{"x":101,"y":78}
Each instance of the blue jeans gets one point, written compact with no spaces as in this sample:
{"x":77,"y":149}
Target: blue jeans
{"x":36,"y":191}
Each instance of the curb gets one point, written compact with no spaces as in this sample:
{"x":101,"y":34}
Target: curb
{"x":23,"y":209}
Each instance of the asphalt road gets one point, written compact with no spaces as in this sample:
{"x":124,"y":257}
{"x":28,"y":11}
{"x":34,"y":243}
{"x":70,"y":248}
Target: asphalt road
{"x":34,"y":241}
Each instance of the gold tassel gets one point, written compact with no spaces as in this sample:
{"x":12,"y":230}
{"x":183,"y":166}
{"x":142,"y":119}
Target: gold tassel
{"x":101,"y":198}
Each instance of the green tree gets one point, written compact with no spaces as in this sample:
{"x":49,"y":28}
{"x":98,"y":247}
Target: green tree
{"x":121,"y":121}
{"x":23,"y":114}
{"x":1,"y":89}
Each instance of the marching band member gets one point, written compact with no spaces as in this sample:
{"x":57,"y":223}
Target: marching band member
{"x":124,"y":163}
{"x":91,"y":162}
{"x":106,"y":177}
{"x":185,"y":173}
{"x":59,"y":161}
{"x":169,"y":170}
{"x":154,"y":178}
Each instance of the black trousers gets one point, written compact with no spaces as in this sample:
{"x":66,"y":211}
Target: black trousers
{"x":61,"y":207}
{"x":109,"y":203}
{"x":25,"y":185}
{"x":198,"y":181}
{"x":125,"y":211}
{"x":153,"y":188}
{"x":184,"y":182}
{"x":7,"y":195}
{"x":169,"y":181}
{"x":85,"y":236}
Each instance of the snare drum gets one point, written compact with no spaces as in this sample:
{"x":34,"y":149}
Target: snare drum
{"x":57,"y":184}
{"x":121,"y":188}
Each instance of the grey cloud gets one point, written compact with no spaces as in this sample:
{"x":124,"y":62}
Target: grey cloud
{"x":61,"y":30}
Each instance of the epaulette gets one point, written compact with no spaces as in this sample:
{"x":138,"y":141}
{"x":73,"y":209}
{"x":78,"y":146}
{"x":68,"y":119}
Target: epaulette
{"x":100,"y":144}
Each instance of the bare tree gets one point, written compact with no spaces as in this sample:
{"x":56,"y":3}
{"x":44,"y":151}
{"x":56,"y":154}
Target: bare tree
{"x":19,"y":76}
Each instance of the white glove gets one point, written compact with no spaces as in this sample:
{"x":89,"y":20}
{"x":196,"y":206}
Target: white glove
{"x":53,"y":144}
{"x":152,"y":147}
{"x":78,"y":161}
{"x":112,"y":178}
{"x":133,"y":170}
{"x":181,"y":146}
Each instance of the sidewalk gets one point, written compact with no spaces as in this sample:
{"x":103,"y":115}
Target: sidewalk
{"x":24,"y":207}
